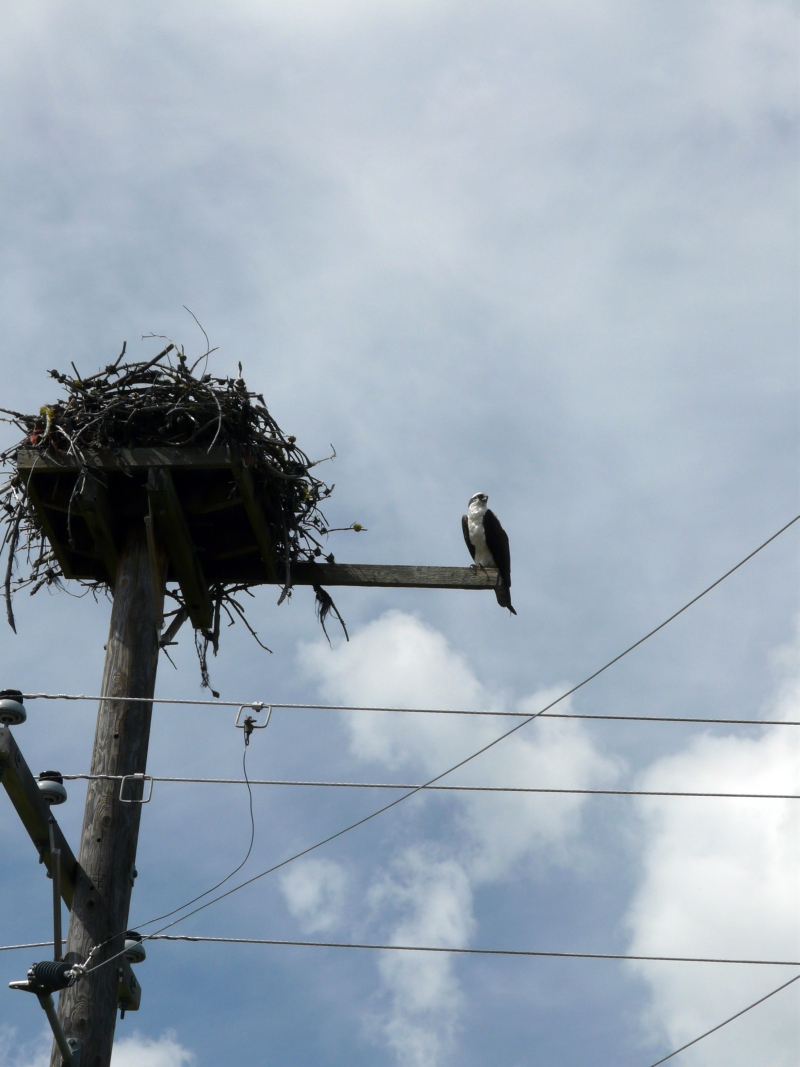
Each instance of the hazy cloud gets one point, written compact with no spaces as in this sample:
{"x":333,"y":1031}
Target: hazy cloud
{"x":426,"y":896}
{"x":720,"y":879}
{"x":132,"y":1051}
{"x":314,"y":890}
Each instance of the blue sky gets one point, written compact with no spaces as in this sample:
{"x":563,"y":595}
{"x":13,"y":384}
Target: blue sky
{"x":547,"y":251}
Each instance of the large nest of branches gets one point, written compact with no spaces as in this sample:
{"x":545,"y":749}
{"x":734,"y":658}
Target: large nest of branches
{"x":160,"y":404}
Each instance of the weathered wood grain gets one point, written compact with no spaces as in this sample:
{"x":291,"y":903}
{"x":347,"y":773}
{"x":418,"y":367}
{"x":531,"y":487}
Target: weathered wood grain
{"x":47,"y":527}
{"x":92,"y":502}
{"x":256,"y":517}
{"x":171,"y":524}
{"x":87,"y":1010}
{"x":124,"y":459}
{"x":371,"y":574}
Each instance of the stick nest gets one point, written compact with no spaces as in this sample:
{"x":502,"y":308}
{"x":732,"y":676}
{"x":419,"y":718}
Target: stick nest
{"x":155,"y":404}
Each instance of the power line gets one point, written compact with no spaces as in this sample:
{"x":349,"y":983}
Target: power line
{"x":526,"y":953}
{"x":423,"y":711}
{"x":243,"y":781}
{"x":494,"y":952}
{"x":443,"y":788}
{"x":725,"y":1023}
{"x":32,"y":944}
{"x":475,"y":951}
{"x":440,"y":711}
{"x":479,"y":752}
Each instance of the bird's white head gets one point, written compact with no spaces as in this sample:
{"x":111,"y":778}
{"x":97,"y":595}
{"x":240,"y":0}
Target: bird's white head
{"x":477,"y":503}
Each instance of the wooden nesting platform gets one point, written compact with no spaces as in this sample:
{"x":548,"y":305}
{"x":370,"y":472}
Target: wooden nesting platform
{"x":215,"y":521}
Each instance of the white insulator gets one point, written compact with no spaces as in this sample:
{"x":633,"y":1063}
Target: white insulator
{"x":134,"y":949}
{"x":12,"y":712}
{"x":52,"y":790}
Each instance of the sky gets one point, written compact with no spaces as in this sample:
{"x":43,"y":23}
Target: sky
{"x":545,"y":251}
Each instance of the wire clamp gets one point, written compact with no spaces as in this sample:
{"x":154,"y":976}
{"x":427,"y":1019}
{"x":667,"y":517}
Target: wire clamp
{"x":250,"y":722}
{"x":136,"y":778}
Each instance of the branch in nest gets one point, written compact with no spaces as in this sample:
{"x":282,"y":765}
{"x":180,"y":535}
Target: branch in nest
{"x":12,"y":548}
{"x":324,"y":606}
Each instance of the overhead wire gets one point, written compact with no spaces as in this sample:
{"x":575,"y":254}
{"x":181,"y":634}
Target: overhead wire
{"x":478,"y":951}
{"x":446,"y":949}
{"x":493,"y":952}
{"x":31,"y":944}
{"x":442,"y":788}
{"x":485,"y":748}
{"x":719,"y":1026}
{"x":523,"y":715}
{"x":236,"y":870}
{"x":712,"y":720}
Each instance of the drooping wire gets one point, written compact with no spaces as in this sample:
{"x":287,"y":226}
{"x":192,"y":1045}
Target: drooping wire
{"x":227,"y":877}
{"x":719,"y":1026}
{"x":236,"y":870}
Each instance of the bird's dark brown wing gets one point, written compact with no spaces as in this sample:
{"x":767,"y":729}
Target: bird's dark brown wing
{"x":497,"y":543}
{"x":465,"y":531}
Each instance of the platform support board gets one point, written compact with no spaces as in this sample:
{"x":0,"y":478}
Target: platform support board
{"x":393,"y":577}
{"x":170,"y":522}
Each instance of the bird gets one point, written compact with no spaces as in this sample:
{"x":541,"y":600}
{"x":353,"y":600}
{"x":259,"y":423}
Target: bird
{"x":487,"y":542}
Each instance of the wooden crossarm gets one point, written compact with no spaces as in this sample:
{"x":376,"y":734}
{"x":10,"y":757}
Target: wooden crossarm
{"x":124,"y":459}
{"x":366,"y":574}
{"x":23,"y":792}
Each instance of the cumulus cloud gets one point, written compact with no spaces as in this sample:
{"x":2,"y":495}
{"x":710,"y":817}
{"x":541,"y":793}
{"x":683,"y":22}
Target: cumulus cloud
{"x":720,"y":879}
{"x":426,"y":895}
{"x":13,"y":1053}
{"x":133,"y":1051}
{"x":430,"y":896}
{"x":315,"y":891}
{"x":138,"y":1051}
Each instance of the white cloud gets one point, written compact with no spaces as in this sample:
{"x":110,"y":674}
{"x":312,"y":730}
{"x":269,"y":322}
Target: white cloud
{"x":133,"y":1051}
{"x":426,"y":897}
{"x":34,"y":1053}
{"x":315,"y":891}
{"x":720,"y":879}
{"x":139,"y":1051}
{"x":430,"y":898}
{"x":399,"y":661}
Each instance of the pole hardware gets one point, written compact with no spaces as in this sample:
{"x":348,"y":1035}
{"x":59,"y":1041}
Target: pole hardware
{"x":51,"y":786}
{"x":43,"y":980}
{"x":12,"y":712}
{"x":129,"y":993}
{"x":27,"y":794}
{"x":136,"y":778}
{"x":134,"y":949}
{"x":46,"y":977}
{"x":249,"y":723}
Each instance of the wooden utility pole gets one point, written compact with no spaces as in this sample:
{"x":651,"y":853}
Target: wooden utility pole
{"x":87,"y":1010}
{"x":147,"y":516}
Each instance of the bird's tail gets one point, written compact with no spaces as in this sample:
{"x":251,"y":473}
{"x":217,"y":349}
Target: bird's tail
{"x":503,"y":594}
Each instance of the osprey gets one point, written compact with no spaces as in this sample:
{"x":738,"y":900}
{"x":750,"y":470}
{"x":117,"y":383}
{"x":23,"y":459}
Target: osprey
{"x":487,"y":542}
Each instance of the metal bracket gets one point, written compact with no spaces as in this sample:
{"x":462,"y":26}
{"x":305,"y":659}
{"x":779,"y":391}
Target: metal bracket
{"x":129,"y":992}
{"x":136,"y":778}
{"x":254,"y":724}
